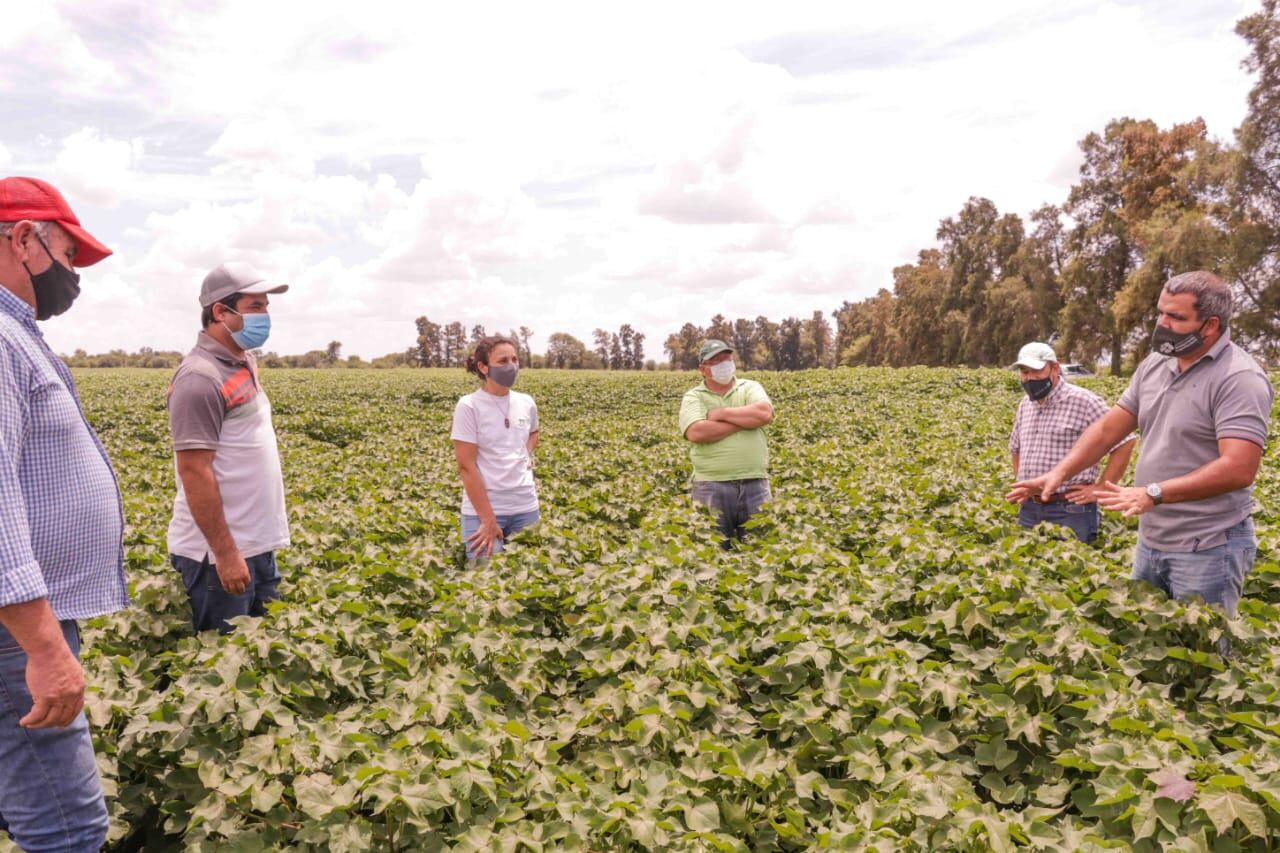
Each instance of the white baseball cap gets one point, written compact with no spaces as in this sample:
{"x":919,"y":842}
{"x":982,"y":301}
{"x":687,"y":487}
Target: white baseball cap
{"x":1035,"y":355}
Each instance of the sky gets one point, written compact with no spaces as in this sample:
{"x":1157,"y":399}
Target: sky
{"x":563,"y":166}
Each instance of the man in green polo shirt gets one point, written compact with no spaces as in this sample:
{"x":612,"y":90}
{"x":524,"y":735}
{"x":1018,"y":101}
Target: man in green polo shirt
{"x":724,"y":418}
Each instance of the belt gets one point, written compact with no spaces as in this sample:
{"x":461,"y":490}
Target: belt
{"x":1056,"y":499}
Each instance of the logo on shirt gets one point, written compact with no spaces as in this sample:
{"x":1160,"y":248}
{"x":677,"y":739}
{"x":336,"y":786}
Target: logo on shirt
{"x":522,"y":423}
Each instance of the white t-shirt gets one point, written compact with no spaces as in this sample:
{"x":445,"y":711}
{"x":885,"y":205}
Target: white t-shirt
{"x":502,"y":455}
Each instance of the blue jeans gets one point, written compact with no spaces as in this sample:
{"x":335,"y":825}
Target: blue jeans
{"x":50,"y":795}
{"x":734,"y":502}
{"x":212,"y":606}
{"x":1214,"y":574}
{"x":1081,"y":518}
{"x":510,"y":524}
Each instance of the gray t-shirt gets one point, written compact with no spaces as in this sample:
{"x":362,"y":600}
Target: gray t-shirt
{"x":1181,"y":416}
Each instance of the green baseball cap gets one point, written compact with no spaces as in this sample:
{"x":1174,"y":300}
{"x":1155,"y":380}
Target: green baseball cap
{"x":711,"y":349}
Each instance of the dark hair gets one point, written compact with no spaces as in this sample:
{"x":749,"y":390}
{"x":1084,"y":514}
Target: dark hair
{"x":480,"y":355}
{"x":206,"y":314}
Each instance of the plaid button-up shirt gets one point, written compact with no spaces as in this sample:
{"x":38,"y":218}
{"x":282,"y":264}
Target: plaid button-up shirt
{"x":61,"y":518}
{"x":1045,"y":431}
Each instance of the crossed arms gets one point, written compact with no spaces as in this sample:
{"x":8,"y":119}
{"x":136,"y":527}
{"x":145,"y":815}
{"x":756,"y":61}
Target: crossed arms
{"x":724,"y":422}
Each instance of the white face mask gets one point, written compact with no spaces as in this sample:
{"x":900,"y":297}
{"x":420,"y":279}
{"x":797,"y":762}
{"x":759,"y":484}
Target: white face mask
{"x":723,"y":371}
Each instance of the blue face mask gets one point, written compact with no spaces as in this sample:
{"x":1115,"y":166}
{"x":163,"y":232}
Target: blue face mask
{"x":254,"y":333}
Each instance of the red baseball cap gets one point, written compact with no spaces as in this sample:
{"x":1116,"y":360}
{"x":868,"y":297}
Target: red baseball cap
{"x":39,"y":201}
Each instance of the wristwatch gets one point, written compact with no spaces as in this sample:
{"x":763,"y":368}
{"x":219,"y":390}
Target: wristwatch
{"x":1155,"y":493}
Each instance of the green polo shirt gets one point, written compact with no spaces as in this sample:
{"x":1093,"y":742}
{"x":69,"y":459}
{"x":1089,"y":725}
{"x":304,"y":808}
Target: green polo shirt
{"x":741,"y":456}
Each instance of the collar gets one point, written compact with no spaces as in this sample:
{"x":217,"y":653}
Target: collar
{"x":1171,"y":362}
{"x":13,"y":306}
{"x":205,"y":342}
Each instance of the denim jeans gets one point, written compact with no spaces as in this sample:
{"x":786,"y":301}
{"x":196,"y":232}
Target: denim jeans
{"x":734,"y":501}
{"x":212,"y":606}
{"x":1081,"y":518}
{"x":510,"y":524}
{"x":1214,"y":574}
{"x":50,"y":795}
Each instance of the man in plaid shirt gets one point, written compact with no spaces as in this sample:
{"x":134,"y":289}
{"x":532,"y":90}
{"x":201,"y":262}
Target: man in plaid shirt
{"x":61,"y":527}
{"x":1049,"y":420}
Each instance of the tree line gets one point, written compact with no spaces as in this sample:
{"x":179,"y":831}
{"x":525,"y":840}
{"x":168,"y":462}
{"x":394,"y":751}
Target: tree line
{"x":1150,"y":202}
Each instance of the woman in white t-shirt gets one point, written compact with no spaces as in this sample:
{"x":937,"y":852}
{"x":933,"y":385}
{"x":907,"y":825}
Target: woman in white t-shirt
{"x":495,"y":431}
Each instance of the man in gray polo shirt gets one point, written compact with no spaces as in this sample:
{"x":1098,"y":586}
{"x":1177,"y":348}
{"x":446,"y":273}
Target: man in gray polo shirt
{"x":229,"y":514}
{"x":1203,"y":408}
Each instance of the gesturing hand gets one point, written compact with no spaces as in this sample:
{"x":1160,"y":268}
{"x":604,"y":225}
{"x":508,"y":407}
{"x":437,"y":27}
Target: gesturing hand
{"x":1126,"y":500}
{"x":1043,"y":487}
{"x":1083,"y":494}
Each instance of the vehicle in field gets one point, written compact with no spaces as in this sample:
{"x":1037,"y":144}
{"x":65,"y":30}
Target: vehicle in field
{"x":1073,"y":371}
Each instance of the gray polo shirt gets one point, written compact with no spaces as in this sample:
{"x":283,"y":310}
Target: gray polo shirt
{"x":1182,"y":416}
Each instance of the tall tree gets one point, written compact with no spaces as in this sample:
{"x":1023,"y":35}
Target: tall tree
{"x":743,"y":341}
{"x":978,"y":246}
{"x":626,"y":357}
{"x":601,"y":338}
{"x":682,"y":347}
{"x":720,"y":328}
{"x":867,"y":334}
{"x":426,"y":352}
{"x":637,"y":351}
{"x":790,"y":344}
{"x":616,"y":361}
{"x":768,"y":348}
{"x":455,"y":344}
{"x":1131,"y":174}
{"x":525,"y":334}
{"x":817,"y":341}
{"x":919,"y":291}
{"x":1256,"y":191}
{"x":565,"y":351}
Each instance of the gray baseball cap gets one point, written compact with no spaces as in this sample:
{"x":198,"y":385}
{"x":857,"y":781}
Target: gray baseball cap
{"x":235,"y":277}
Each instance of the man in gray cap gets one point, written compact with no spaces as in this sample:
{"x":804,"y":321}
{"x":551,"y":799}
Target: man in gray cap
{"x":229,"y":515}
{"x":1050,"y":418}
{"x":724,"y":418}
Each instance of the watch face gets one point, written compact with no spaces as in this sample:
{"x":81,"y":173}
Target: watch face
{"x":1153,"y":490}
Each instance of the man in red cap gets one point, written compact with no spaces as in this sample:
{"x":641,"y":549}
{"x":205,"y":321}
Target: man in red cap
{"x":61,"y":530}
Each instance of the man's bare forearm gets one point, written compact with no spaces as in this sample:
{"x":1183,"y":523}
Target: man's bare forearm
{"x":34,"y":626}
{"x":708,"y":431}
{"x":205,"y":501}
{"x":1094,"y":442}
{"x":751,"y":416}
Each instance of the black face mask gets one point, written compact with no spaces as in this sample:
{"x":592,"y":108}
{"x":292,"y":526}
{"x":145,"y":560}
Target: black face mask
{"x":1038,"y":389}
{"x":55,"y":288}
{"x":1168,"y":342}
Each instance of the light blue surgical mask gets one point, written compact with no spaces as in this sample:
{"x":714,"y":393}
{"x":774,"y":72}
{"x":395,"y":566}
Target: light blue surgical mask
{"x":254,"y":333}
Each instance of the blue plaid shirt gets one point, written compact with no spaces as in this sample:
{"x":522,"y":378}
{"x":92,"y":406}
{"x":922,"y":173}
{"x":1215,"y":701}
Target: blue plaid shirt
{"x":61,"y":518}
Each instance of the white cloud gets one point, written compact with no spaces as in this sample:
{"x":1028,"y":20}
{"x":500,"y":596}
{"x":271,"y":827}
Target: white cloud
{"x":94,"y":168}
{"x":678,"y":161}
